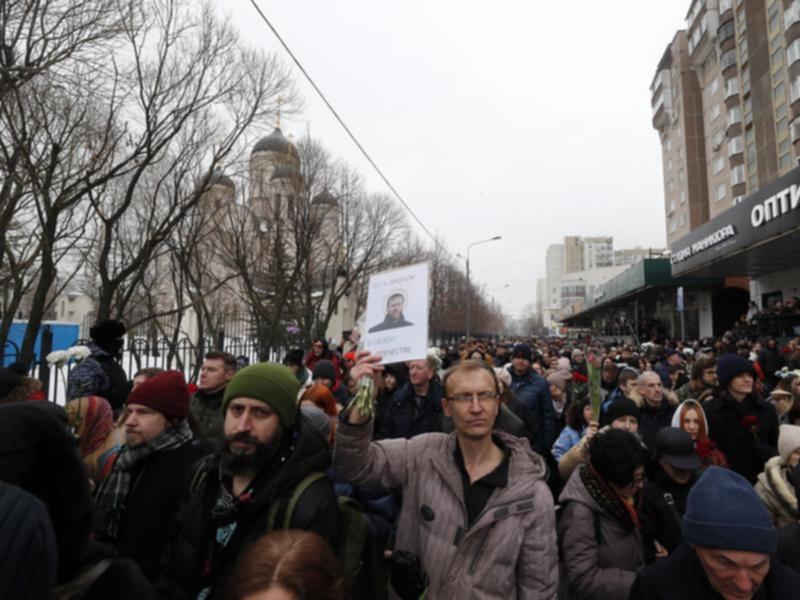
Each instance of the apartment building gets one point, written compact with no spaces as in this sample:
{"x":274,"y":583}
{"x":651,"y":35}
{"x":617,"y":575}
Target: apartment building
{"x":726,"y":102}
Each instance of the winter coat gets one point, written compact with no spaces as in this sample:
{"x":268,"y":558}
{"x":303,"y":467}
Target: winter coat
{"x":99,"y":375}
{"x":789,"y":546}
{"x":653,"y":419}
{"x":402,"y":418}
{"x":681,"y":577}
{"x":600,"y":555}
{"x":206,"y":408}
{"x":566,"y":440}
{"x":302,"y":451}
{"x":533,"y":390}
{"x":157,"y":484}
{"x":508,"y":552}
{"x":777,"y":492}
{"x":663,"y":506}
{"x":746,"y":452}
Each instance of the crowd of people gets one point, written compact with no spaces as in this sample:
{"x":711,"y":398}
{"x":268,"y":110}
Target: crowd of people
{"x":489,"y":469}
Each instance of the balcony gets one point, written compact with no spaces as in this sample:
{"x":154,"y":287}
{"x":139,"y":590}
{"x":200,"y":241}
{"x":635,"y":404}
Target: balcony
{"x":703,"y":34}
{"x":731,"y":87}
{"x":735,"y":146}
{"x":794,"y":130}
{"x":724,"y":7}
{"x":727,"y":60}
{"x":726,"y":33}
{"x":793,"y":53}
{"x":737,"y":175}
{"x":791,"y":15}
{"x":794,"y":91}
{"x":662,"y":109}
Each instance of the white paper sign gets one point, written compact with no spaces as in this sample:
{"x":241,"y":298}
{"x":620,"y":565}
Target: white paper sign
{"x":397,"y":314}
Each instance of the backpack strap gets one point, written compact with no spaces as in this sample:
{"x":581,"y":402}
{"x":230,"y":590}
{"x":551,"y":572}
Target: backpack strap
{"x":294,"y":499}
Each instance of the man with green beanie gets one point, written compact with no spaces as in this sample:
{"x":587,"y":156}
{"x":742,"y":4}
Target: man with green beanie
{"x":265,"y":476}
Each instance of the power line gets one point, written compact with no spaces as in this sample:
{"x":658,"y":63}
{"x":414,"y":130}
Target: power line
{"x":345,"y":127}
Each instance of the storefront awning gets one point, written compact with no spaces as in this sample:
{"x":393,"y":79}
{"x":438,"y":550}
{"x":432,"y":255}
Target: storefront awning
{"x":645,"y":275}
{"x":759,"y":235}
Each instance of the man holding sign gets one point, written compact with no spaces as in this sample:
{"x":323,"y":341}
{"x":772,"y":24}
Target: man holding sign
{"x":477,"y":517}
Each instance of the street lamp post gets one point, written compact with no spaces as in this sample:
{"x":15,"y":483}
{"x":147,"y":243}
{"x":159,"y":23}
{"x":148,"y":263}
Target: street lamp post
{"x":469,"y":289}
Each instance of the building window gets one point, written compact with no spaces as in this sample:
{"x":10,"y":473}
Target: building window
{"x":781,"y":127}
{"x":682,"y":197}
{"x":785,"y":161}
{"x":672,"y":226}
{"x":714,"y":86}
{"x":715,"y":110}
{"x":718,"y":165}
{"x":737,"y":175}
{"x":778,"y":91}
{"x":683,"y":220}
{"x":722,"y":191}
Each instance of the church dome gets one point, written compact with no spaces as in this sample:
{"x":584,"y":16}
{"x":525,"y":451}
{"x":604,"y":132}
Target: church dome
{"x":219,"y":178}
{"x":275,"y":142}
{"x":325,"y":198}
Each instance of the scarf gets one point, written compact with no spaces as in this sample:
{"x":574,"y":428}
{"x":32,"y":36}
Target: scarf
{"x":112,"y":494}
{"x":92,"y":420}
{"x":609,"y":501}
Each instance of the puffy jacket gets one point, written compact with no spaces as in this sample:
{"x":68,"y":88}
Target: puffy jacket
{"x":507,"y":553}
{"x":566,"y":440}
{"x":402,"y":418}
{"x":302,"y":451}
{"x":778,"y":494}
{"x":600,"y":555}
{"x":99,"y":375}
{"x":533,"y":390}
{"x":746,"y":452}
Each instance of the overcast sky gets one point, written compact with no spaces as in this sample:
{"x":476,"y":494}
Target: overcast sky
{"x":525,"y":119}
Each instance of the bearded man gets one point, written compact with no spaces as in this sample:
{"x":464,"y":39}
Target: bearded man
{"x":271,"y":456}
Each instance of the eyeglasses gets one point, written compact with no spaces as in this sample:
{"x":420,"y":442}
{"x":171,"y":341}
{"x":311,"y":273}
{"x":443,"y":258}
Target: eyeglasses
{"x":466,"y":397}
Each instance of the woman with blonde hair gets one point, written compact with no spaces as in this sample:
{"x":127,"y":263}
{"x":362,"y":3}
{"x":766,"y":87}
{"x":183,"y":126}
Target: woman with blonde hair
{"x":691,"y":417}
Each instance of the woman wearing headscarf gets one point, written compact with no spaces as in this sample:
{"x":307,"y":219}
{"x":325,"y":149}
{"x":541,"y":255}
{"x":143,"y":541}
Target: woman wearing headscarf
{"x":92,"y":421}
{"x":691,"y":417}
{"x":774,"y":486}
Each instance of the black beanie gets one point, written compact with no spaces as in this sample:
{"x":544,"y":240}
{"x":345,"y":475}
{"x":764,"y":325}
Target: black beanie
{"x":108,"y":330}
{"x":28,"y":557}
{"x":324,"y":369}
{"x":623,"y":407}
{"x":731,"y":365}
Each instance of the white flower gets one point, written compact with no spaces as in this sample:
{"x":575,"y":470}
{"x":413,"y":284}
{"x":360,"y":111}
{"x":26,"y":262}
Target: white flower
{"x":57,"y":358}
{"x":79,"y":352}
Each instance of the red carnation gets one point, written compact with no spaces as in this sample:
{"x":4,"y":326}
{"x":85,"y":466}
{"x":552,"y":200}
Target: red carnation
{"x":578,"y":378}
{"x":192,"y":388}
{"x":704,"y":448}
{"x":751,"y":424}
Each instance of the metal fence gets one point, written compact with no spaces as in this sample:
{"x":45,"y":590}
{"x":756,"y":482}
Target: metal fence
{"x":185,"y":355}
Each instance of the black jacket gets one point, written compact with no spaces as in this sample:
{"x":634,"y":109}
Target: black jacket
{"x":789,"y":546}
{"x":681,"y":577}
{"x":157,"y":485}
{"x":663,"y":506}
{"x":653,"y":419}
{"x":745,"y":451}
{"x":402,"y":418}
{"x":302,"y":451}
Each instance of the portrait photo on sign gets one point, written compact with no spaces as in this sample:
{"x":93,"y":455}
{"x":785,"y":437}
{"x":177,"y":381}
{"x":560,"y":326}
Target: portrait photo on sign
{"x":397,"y":313}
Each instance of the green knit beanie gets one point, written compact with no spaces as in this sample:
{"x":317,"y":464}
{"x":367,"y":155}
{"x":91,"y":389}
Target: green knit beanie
{"x":271,"y":383}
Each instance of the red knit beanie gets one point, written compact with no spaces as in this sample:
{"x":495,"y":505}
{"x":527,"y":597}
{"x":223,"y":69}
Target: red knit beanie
{"x":165,"y":392}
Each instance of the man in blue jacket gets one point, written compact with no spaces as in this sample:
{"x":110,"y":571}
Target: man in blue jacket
{"x":533,"y":390}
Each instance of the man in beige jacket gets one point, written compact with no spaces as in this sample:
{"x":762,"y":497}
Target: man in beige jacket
{"x":476,"y":510}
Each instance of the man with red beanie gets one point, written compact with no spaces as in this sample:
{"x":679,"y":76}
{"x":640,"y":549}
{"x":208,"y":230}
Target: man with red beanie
{"x":137,"y":501}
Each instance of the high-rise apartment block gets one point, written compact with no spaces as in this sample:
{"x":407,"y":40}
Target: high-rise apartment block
{"x":723,"y":98}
